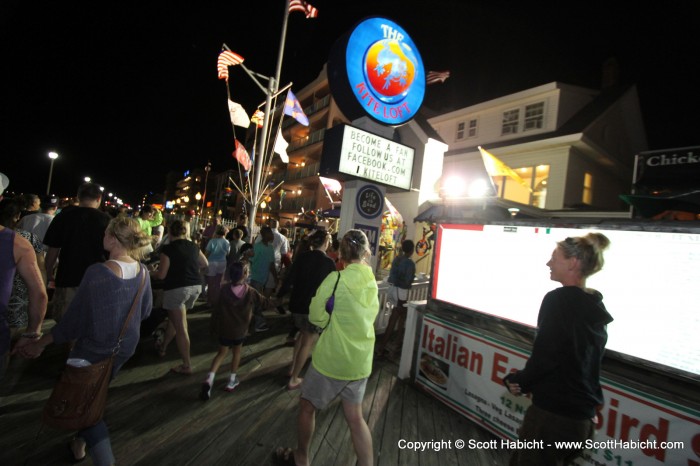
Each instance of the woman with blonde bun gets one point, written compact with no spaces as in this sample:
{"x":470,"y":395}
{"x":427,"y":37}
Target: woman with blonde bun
{"x":563,"y":372}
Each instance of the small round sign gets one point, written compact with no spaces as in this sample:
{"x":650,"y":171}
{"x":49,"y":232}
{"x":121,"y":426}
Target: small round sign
{"x":370,"y":202}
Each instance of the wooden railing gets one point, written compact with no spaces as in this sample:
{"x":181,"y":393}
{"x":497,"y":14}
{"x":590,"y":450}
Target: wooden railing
{"x":418,"y":292}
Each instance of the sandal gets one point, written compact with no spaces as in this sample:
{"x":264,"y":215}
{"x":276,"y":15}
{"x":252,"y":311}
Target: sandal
{"x":284,"y":457}
{"x":295,"y":386}
{"x":181,"y":369}
{"x":75,"y":459}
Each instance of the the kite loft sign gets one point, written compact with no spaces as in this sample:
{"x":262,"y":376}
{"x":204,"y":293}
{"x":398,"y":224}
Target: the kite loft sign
{"x":374,"y":158}
{"x":376,"y":70}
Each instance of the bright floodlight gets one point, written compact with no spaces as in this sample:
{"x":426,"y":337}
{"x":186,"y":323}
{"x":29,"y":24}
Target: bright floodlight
{"x":87,"y":179}
{"x":53,"y":155}
{"x":478,"y":188}
{"x":453,"y":187}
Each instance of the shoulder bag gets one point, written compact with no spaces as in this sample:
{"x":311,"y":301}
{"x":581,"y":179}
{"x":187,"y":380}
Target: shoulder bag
{"x":79,"y":398}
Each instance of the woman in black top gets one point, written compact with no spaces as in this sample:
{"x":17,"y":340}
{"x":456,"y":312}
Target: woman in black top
{"x":306,"y":274}
{"x":563,"y":372}
{"x":181,"y":261}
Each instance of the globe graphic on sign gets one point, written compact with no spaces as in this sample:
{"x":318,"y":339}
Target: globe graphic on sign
{"x":390,"y":70}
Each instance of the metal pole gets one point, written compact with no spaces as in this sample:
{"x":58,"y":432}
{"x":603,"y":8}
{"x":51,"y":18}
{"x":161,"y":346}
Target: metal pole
{"x":272,"y":89}
{"x":204,"y":196}
{"x":255,"y":189}
{"x":48,"y":186}
{"x":280,"y":54}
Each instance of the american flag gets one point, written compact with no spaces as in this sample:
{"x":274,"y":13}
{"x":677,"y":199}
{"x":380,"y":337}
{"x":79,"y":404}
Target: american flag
{"x":242,"y":156}
{"x":226,"y":59}
{"x":301,"y":5}
{"x":436,"y":77}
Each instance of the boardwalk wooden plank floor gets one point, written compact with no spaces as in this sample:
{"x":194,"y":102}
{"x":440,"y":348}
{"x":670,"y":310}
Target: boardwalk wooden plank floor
{"x":156,"y":418}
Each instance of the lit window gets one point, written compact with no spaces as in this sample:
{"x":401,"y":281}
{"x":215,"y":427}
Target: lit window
{"x":587,"y":196}
{"x":534,"y":116}
{"x":529,"y":189}
{"x":510,"y":121}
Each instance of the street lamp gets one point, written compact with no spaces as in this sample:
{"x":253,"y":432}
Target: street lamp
{"x":207,"y":169}
{"x":53,"y":156}
{"x":87,"y":179}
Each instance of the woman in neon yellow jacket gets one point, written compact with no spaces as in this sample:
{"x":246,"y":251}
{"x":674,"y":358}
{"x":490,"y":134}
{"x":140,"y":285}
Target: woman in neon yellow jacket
{"x":342,"y":359}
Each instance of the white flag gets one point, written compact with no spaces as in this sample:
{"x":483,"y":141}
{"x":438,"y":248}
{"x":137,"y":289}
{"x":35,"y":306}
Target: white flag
{"x":281,"y":147}
{"x":238,"y":115}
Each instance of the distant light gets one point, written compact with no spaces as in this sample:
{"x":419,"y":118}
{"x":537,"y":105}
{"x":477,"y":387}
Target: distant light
{"x":87,"y":179}
{"x":53,"y":155}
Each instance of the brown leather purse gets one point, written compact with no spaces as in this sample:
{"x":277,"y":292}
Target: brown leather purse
{"x":79,"y":398}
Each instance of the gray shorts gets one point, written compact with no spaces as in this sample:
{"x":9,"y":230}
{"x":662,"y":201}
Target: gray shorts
{"x":320,"y":390}
{"x":301,"y":321}
{"x":178,"y":297}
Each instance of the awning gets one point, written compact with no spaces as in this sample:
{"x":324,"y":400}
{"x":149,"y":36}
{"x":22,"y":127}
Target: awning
{"x":648,"y":205}
{"x":471,"y":209}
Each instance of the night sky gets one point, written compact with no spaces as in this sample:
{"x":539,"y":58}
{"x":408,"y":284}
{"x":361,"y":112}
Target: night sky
{"x":127,"y":91}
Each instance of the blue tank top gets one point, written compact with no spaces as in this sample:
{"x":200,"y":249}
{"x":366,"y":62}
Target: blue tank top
{"x":7,"y":273}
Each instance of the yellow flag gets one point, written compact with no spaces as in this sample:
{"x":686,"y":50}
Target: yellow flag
{"x":495,"y":167}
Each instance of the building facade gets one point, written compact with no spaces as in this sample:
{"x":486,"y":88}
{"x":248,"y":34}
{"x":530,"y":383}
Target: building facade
{"x":571,"y":147}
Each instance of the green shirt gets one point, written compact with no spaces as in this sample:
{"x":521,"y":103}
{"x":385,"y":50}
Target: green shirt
{"x":147,"y":225}
{"x":346,"y":347}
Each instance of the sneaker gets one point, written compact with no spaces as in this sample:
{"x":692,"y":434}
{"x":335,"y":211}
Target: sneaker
{"x":205,"y":392}
{"x":232,"y":384}
{"x":262,"y":328}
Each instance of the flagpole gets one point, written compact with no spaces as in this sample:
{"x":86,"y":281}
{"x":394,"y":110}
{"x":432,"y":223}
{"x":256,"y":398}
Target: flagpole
{"x":271,"y":89}
{"x":255,"y":189}
{"x":283,"y":38}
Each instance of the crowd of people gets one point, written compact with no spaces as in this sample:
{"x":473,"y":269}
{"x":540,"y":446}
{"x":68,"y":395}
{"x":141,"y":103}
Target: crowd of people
{"x":100,"y":268}
{"x":88,"y":267}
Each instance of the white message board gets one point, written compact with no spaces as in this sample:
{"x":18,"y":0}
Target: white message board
{"x":374,"y":158}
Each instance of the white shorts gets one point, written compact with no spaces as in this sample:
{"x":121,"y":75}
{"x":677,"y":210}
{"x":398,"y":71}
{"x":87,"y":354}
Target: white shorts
{"x":216,"y":268}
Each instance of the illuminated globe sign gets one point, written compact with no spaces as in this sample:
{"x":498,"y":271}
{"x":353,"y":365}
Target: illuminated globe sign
{"x":376,"y":70}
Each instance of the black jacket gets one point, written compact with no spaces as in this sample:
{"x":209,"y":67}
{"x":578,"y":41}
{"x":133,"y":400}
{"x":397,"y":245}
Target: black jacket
{"x":306,"y":274}
{"x":563,"y":372}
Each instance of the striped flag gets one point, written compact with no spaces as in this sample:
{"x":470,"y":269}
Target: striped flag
{"x":436,"y":77}
{"x":226,"y":59}
{"x":301,"y":5}
{"x":242,"y":156}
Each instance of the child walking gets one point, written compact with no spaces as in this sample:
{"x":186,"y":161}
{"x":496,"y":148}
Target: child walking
{"x":230,"y":319}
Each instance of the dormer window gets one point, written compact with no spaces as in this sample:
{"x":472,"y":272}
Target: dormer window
{"x":534,"y":116}
{"x":510,"y":121}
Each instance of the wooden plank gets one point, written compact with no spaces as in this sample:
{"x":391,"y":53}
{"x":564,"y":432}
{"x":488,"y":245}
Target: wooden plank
{"x":391,"y":434}
{"x":378,"y":412}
